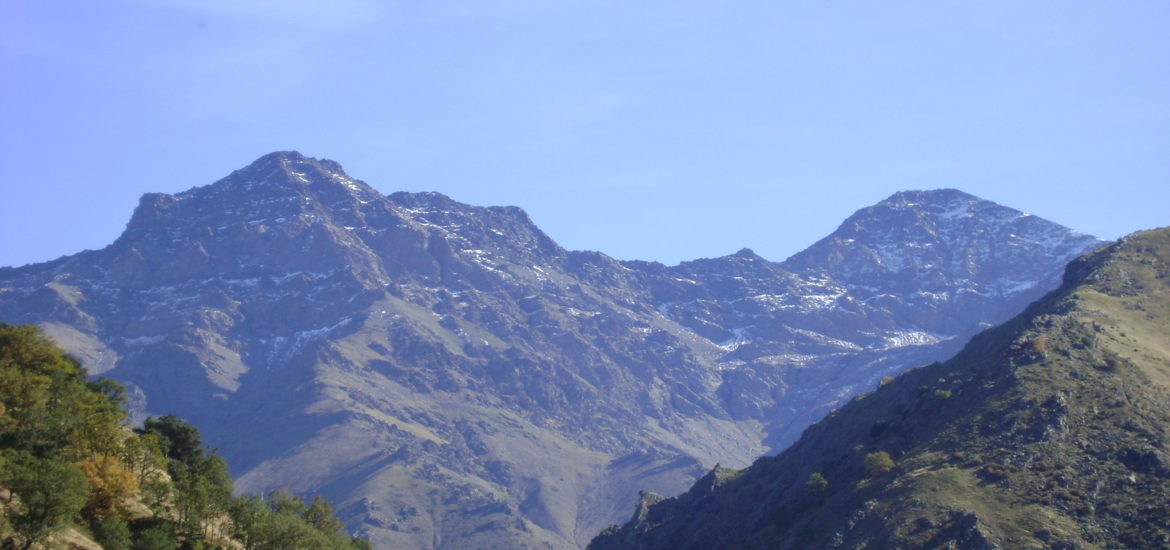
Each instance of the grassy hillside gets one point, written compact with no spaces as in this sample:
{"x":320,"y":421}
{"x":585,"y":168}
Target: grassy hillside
{"x":1051,"y":431}
{"x":72,"y":474}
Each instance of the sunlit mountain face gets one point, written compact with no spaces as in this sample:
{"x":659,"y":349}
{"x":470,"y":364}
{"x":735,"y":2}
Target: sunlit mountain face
{"x":452,"y":378}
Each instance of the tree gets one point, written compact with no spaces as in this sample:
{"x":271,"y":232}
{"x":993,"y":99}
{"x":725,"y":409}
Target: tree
{"x":878,"y":463}
{"x":112,"y":533}
{"x":816,"y":482}
{"x":111,"y":486}
{"x":142,"y":455}
{"x":282,"y":531}
{"x":320,"y":515}
{"x":159,"y":537}
{"x":179,"y":440}
{"x":248,"y":513}
{"x":284,"y":503}
{"x":50,"y":493}
{"x":50,"y":409}
{"x":33,"y":377}
{"x":95,"y":425}
{"x":202,"y":490}
{"x":285,"y":521}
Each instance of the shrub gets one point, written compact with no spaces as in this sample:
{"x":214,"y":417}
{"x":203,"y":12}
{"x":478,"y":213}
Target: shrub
{"x":995,"y":472}
{"x":878,"y":463}
{"x":816,"y":482}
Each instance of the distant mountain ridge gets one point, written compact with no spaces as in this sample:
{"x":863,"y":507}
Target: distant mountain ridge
{"x":450,"y":376}
{"x":1050,"y":431}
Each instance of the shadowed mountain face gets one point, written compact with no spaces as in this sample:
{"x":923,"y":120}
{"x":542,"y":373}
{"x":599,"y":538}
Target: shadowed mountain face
{"x":451,"y":377}
{"x":1051,"y":431}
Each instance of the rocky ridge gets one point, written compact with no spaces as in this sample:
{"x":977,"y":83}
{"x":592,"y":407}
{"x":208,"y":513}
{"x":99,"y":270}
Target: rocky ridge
{"x":1050,"y":431}
{"x":450,"y":376}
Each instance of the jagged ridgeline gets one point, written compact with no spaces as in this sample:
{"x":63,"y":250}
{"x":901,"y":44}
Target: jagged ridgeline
{"x":452,"y":378}
{"x":1050,"y":431}
{"x":73,"y":474}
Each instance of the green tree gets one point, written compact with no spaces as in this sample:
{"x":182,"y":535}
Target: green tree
{"x":284,"y":503}
{"x":320,"y":515}
{"x":202,"y":491}
{"x":112,"y":533}
{"x":143,"y":456}
{"x":816,"y":482}
{"x":248,"y":513}
{"x":114,"y":393}
{"x":282,"y":531}
{"x":179,"y":440}
{"x":878,"y":463}
{"x":49,"y":491}
{"x":202,"y":484}
{"x":95,"y":425}
{"x":159,"y":537}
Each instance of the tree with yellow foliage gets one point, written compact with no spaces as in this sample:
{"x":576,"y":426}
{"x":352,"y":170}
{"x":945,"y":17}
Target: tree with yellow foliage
{"x":111,"y":487}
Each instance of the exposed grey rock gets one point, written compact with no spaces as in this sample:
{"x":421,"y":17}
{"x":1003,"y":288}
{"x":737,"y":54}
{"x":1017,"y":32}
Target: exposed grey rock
{"x":451,"y":377}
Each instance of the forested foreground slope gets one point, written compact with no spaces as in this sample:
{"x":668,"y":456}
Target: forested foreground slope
{"x":1050,"y":431}
{"x":72,"y":474}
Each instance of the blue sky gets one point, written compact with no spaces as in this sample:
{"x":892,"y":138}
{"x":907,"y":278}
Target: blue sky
{"x":647,"y":130}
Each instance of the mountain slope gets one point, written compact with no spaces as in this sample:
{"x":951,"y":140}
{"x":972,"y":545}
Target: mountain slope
{"x":451,"y":377}
{"x":904,"y":282}
{"x":1050,"y":431}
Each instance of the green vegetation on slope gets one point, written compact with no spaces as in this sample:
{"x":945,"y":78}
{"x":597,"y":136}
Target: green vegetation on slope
{"x":1051,"y":431}
{"x":72,"y":472}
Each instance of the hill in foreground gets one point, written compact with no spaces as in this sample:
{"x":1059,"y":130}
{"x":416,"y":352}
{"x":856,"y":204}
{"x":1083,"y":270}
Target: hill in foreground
{"x":1050,"y":431}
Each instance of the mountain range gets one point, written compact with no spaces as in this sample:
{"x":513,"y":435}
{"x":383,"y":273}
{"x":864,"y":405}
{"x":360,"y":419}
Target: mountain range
{"x":1050,"y":431}
{"x":451,"y":377}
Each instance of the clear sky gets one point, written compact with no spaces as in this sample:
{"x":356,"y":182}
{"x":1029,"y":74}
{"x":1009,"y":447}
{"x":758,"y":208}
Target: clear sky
{"x":658,"y":130}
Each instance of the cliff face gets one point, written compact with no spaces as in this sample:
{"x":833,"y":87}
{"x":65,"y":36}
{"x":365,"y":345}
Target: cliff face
{"x":451,"y":377}
{"x":1050,"y":431}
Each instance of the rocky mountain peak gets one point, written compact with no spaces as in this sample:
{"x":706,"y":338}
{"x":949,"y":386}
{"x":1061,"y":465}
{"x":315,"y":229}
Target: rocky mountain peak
{"x":925,"y":241}
{"x":747,"y":254}
{"x":288,"y":163}
{"x":276,"y":188}
{"x":283,"y":213}
{"x":928,"y":198}
{"x":284,"y":175}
